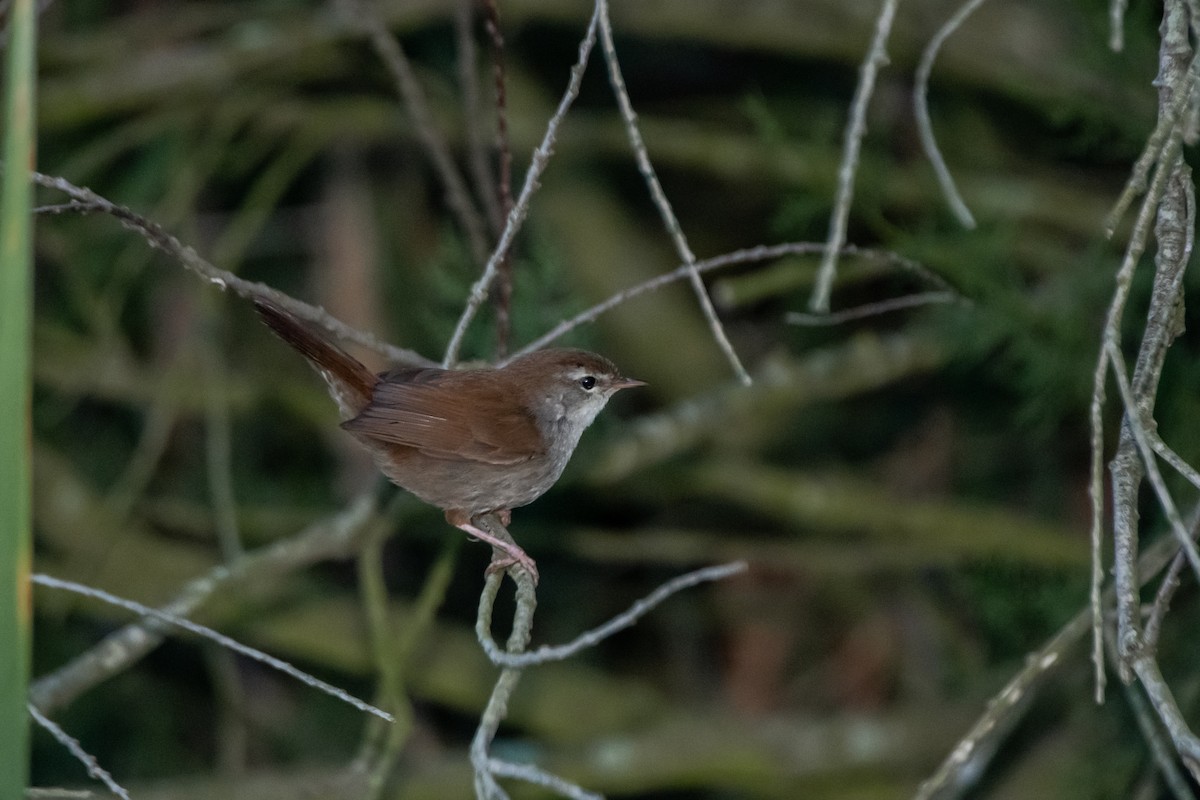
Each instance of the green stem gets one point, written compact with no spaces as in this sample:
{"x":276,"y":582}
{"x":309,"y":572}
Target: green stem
{"x":16,"y":304}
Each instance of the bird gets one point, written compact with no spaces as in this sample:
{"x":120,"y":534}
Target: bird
{"x":470,"y":442}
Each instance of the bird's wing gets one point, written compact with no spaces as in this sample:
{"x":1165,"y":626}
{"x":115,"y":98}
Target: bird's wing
{"x":445,"y":414}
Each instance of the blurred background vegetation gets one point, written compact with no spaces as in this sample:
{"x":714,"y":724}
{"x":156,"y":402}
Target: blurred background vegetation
{"x":910,"y":489}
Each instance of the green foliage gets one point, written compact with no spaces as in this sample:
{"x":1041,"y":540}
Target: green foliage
{"x":983,"y":595}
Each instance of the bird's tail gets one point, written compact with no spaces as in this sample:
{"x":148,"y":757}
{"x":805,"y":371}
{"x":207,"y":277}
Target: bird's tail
{"x":350,"y":382}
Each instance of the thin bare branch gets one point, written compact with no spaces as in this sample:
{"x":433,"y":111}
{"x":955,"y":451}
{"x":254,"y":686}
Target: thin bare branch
{"x":435,"y":144}
{"x":1172,"y":458}
{"x":500,"y":80}
{"x":1162,"y":601}
{"x":513,"y":659}
{"x":1167,"y":136}
{"x":1160,"y":749}
{"x":921,"y":108}
{"x":1134,"y":459}
{"x":334,"y":537}
{"x":674,"y":229}
{"x":1126,"y":615}
{"x":537,"y":165}
{"x":72,"y":744}
{"x":855,"y":129}
{"x":970,"y":757}
{"x":504,"y":275}
{"x":1137,"y":426}
{"x":871,"y":309}
{"x":1174,"y":218}
{"x":159,"y":239}
{"x":72,"y":207}
{"x":625,"y":619}
{"x":968,"y":761}
{"x":209,"y":633}
{"x":1096,"y":529}
{"x":539,"y":777}
{"x":746,"y":256}
{"x":486,"y":787}
{"x":1187,"y":744}
{"x":478,"y":159}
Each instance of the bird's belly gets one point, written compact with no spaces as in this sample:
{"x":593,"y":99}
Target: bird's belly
{"x":470,"y":486}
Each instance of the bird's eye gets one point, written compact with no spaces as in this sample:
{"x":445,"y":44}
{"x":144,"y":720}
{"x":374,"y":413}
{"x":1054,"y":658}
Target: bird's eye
{"x":587,"y":382}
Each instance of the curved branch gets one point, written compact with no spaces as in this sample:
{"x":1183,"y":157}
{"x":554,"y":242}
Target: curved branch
{"x":329,"y":538}
{"x":921,"y":109}
{"x":156,"y":236}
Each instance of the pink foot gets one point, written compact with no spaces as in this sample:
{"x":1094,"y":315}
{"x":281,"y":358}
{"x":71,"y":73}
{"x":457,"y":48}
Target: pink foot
{"x":514,"y":555}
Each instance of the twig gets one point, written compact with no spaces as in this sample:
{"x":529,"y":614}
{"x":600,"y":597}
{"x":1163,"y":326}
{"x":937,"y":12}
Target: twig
{"x":504,"y":276}
{"x":1160,"y":697}
{"x":921,"y":109}
{"x":871,"y":309}
{"x":328,"y":538}
{"x":747,"y":256}
{"x":94,"y":769}
{"x":1138,"y":428}
{"x":847,"y":369}
{"x":966,"y":763}
{"x":1185,"y":469}
{"x":855,"y":128}
{"x":1160,"y":748}
{"x":1174,"y":233}
{"x":1162,"y":601}
{"x":477,"y":150}
{"x":1123,"y":282}
{"x":503,"y":145}
{"x":159,"y":239}
{"x":513,"y":660}
{"x":539,"y":777}
{"x":1174,"y":240}
{"x":413,"y":97}
{"x":1167,"y":135}
{"x":537,"y":165}
{"x":1172,"y":458}
{"x":674,"y":229}
{"x":760,"y":253}
{"x":626,"y":619}
{"x":72,"y":207}
{"x":1096,"y":529}
{"x":486,"y":787}
{"x":969,"y":758}
{"x":209,"y":633}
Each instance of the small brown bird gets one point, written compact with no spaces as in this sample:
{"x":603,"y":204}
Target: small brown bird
{"x":470,"y":442}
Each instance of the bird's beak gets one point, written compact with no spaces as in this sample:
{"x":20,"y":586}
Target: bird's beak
{"x":626,"y":383}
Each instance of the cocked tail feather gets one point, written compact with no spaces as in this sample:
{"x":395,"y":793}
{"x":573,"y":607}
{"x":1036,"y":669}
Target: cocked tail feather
{"x":349,"y":380}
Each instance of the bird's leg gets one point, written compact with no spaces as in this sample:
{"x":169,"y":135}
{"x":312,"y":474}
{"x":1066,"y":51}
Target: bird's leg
{"x":513,"y":554}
